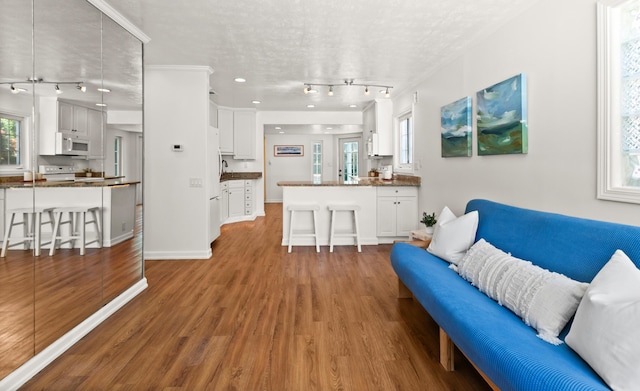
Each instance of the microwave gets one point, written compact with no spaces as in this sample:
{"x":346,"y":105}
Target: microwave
{"x":71,"y":145}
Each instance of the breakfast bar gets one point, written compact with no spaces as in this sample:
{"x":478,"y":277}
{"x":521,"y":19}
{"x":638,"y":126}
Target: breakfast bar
{"x":387,"y":208}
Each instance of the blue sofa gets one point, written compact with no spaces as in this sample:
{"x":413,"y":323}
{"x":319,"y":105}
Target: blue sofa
{"x":501,"y":346}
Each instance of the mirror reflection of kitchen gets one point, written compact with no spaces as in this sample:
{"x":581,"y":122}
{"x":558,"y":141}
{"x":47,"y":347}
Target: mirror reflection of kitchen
{"x":70,"y":157}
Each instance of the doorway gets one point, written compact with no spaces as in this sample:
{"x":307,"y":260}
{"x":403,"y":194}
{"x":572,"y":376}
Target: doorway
{"x":349,"y":158}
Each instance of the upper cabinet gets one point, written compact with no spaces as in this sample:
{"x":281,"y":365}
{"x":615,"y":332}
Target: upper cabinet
{"x":378,"y":128}
{"x":237,"y":132}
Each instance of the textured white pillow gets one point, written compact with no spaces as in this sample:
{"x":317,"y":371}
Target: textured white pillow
{"x":606,"y":329}
{"x":544,"y":300}
{"x":453,"y":235}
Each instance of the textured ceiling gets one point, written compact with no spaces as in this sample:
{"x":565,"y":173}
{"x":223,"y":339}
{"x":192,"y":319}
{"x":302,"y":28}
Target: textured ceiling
{"x":277,"y":45}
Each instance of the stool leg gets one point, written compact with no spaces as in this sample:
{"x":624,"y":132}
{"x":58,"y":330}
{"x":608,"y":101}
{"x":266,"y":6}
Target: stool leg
{"x":94,"y":213}
{"x":355,"y":222}
{"x":5,"y":243}
{"x":56,"y":228}
{"x":37,"y":232}
{"x":83,"y":217}
{"x":315,"y":230}
{"x":291,"y":229}
{"x":333,"y":219}
{"x":27,"y":230}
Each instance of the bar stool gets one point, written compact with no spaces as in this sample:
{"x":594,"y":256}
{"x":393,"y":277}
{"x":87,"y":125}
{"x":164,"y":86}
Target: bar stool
{"x":354,"y":234}
{"x":31,"y":233}
{"x":77,"y":220}
{"x":313,"y":208}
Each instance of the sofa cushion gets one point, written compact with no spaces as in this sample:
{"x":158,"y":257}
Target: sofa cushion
{"x":453,"y":235}
{"x":544,"y":300}
{"x":605,"y":331}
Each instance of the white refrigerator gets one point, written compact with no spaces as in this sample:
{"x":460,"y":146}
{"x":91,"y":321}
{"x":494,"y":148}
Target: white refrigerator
{"x":213,"y":182}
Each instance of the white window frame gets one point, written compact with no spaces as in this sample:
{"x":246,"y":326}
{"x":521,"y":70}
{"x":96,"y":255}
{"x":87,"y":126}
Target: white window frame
{"x":313,"y":165}
{"x":117,"y":156}
{"x":24,"y":143}
{"x":608,"y":106}
{"x":405,"y":167}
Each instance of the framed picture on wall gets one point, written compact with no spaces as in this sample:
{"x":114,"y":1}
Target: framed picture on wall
{"x":288,"y":150}
{"x":455,"y":128}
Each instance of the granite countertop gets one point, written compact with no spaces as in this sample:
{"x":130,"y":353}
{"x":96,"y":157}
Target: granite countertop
{"x":231,"y":176}
{"x":398,"y":180}
{"x":39,"y":183}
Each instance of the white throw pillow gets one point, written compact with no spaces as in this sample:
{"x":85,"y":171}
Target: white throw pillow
{"x":606,"y":329}
{"x":453,"y":235}
{"x":544,"y":300}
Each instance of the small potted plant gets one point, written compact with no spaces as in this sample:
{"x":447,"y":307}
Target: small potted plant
{"x":429,"y":220}
{"x":88,"y":172}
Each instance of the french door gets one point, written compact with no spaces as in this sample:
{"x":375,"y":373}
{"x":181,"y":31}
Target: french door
{"x":349,"y":157}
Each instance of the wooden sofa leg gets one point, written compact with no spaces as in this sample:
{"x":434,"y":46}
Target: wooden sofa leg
{"x":446,"y":351}
{"x":403,"y":291}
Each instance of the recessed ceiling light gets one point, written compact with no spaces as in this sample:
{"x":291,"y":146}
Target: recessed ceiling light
{"x":256,"y":102}
{"x":353,"y":106}
{"x":311,"y":106}
{"x":104,"y":90}
{"x":281,"y":132}
{"x":239,"y":80}
{"x":101,"y":104}
{"x":329,"y":128}
{"x":278,"y":128}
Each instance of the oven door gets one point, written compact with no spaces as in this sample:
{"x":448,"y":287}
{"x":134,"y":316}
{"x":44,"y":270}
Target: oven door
{"x":71,"y":145}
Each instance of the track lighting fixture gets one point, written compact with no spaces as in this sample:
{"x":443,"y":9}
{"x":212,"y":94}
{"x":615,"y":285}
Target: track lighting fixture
{"x":347,"y":83}
{"x":15,"y":90}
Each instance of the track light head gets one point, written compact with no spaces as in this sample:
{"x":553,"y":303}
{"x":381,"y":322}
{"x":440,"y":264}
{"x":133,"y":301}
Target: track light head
{"x":386,"y":93}
{"x":307,"y":89}
{"x":58,"y":90}
{"x":366,"y":90}
{"x":14,"y":90}
{"x":330,"y":93}
{"x":82,"y":87}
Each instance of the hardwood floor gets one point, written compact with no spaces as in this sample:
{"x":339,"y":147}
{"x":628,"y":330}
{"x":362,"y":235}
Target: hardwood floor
{"x":254,"y":317}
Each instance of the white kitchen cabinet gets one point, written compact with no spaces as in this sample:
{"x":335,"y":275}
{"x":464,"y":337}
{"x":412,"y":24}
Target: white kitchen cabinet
{"x":397,"y":211}
{"x":248,"y":197}
{"x":236,"y":198}
{"x":377,"y":123}
{"x":244,"y":135}
{"x":95,"y":122}
{"x":225,"y":126}
{"x":224,"y":201}
{"x":57,"y":116}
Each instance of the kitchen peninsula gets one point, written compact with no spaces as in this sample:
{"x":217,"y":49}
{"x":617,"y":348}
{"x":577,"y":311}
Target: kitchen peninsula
{"x":116,"y":197}
{"x":388,"y":208}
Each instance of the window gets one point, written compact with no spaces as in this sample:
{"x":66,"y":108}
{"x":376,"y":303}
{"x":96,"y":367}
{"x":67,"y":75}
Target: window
{"x":11,"y":132}
{"x":405,"y":141}
{"x":317,"y":161}
{"x":619,"y":100}
{"x":117,"y":156}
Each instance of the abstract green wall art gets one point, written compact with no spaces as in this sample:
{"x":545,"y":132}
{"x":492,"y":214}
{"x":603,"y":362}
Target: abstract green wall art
{"x":502,"y":117}
{"x":455,"y":128}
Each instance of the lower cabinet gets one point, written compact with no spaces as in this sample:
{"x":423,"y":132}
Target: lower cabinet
{"x":236,"y":198}
{"x":397,"y":211}
{"x":224,"y":201}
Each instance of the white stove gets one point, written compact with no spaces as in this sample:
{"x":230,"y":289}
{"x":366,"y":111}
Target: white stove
{"x":58,"y":173}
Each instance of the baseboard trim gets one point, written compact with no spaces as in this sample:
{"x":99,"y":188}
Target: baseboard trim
{"x":37,"y":363}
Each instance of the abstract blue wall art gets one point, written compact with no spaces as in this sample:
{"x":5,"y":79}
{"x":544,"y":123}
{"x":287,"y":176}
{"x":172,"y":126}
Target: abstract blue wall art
{"x":455,"y":128}
{"x":502,"y":117}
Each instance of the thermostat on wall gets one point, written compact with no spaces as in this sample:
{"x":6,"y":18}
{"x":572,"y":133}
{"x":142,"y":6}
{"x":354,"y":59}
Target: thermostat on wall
{"x":177,"y":147}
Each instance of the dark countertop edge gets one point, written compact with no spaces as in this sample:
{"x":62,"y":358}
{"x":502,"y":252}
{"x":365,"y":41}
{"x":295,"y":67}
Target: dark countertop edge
{"x":45,"y":184}
{"x":239,"y":176}
{"x":361,"y":183}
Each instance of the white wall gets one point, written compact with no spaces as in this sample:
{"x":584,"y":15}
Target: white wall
{"x":554,"y":44}
{"x":176,"y":112}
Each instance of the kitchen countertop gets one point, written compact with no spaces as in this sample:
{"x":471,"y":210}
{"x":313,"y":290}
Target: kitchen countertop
{"x":398,"y":180}
{"x":28,"y":184}
{"x":231,"y":176}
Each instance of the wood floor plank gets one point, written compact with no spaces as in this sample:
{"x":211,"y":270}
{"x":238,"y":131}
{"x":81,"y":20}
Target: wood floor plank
{"x":254,"y":317}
